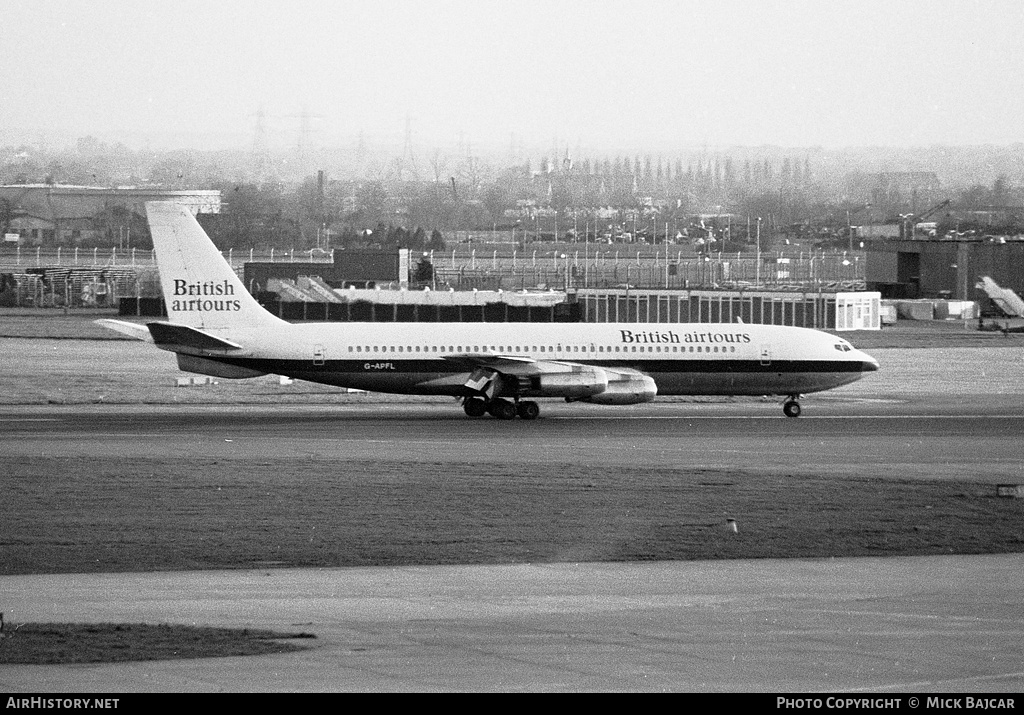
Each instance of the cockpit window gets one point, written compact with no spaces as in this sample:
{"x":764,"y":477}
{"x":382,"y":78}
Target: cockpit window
{"x":842,"y":347}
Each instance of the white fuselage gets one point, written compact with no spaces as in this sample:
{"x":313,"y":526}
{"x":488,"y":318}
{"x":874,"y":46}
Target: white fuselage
{"x":436,"y":358}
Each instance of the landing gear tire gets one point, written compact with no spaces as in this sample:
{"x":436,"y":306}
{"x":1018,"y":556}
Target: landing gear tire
{"x":528,"y":410}
{"x":475,"y":407}
{"x":502,"y":409}
{"x":791,"y":408}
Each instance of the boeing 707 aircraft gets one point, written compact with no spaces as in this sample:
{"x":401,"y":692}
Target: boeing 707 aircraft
{"x":215,"y":327}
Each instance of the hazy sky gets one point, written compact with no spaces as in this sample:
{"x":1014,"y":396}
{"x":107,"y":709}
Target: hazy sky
{"x":622,"y":74}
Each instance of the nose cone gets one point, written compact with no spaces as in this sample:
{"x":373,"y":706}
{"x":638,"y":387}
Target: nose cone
{"x":868,"y":363}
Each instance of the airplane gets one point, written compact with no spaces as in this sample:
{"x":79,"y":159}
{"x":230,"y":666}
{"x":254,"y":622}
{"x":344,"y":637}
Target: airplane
{"x":216,"y":327}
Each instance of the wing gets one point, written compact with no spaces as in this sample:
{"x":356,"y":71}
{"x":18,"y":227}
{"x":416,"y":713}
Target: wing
{"x":518,"y":376}
{"x":492,"y":375}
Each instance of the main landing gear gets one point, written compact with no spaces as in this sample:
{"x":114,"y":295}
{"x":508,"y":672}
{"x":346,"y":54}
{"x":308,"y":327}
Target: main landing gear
{"x":791,"y":408}
{"x":500,"y":408}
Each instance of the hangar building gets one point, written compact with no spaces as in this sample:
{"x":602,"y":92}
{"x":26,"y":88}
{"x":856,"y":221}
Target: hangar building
{"x":61,"y":215}
{"x":942,"y":268}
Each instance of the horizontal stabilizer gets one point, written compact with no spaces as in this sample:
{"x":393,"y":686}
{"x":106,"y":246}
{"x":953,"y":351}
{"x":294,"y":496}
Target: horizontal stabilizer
{"x":171,"y":334}
{"x":134,"y":330}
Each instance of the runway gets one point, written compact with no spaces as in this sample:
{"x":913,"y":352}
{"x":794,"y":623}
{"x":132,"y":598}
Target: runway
{"x":927,"y":437}
{"x":924,"y":624}
{"x":884,"y":625}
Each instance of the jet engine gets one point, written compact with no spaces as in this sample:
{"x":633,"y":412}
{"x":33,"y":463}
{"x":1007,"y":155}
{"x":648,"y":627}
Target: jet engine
{"x":576,"y":385}
{"x":625,"y":388}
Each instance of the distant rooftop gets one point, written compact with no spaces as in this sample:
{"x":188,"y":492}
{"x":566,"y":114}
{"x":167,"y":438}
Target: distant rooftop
{"x":131,"y":190}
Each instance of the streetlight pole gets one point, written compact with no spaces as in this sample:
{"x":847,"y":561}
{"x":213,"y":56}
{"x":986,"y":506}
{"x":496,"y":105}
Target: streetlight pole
{"x":757,"y":267}
{"x":586,"y":252}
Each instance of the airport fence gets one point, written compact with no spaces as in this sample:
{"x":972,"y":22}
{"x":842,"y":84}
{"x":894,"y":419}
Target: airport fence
{"x":101,"y":277}
{"x":811,"y":272}
{"x":21,"y":258}
{"x":83,"y":287}
{"x":466,"y":268}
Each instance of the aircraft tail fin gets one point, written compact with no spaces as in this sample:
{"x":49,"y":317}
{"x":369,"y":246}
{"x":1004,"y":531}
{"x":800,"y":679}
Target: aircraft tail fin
{"x":200,"y":288}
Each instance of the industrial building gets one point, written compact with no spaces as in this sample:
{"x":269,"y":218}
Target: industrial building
{"x":59,"y":215}
{"x":944,"y":268}
{"x":359,"y":268}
